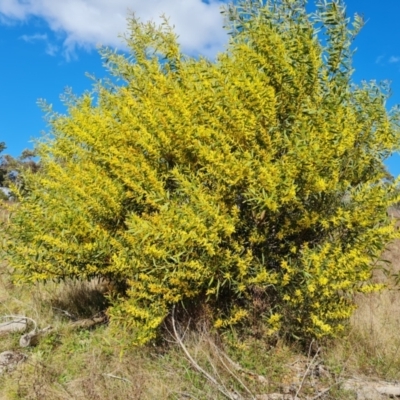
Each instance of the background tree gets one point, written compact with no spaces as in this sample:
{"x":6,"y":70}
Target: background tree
{"x":11,"y":169}
{"x":2,"y":171}
{"x":253,"y":184}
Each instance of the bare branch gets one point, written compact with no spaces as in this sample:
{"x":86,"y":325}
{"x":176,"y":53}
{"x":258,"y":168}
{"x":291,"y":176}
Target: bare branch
{"x":319,"y":395}
{"x":20,"y":317}
{"x":32,"y":338}
{"x":195,"y":365}
{"x":188,"y":395}
{"x":117,"y":377}
{"x":235,"y":365}
{"x":66,"y":313}
{"x":310,"y":364}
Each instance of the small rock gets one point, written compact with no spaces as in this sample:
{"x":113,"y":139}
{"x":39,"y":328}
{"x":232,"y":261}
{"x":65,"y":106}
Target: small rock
{"x":10,"y":359}
{"x":274,"y":396}
{"x":262,"y":379}
{"x":365,"y":390}
{"x":389,"y":390}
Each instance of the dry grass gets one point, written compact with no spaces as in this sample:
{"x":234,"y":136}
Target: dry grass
{"x":95,"y":364}
{"x":372,"y":344}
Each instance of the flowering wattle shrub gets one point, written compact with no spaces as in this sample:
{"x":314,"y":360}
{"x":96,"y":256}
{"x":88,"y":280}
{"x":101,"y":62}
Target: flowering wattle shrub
{"x":257,"y":176}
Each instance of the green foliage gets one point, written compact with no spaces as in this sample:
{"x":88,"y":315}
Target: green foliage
{"x":2,"y":172}
{"x":254,"y":183}
{"x":11,"y":168}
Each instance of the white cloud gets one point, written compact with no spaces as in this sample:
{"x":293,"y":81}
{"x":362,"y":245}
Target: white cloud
{"x":394,"y":59}
{"x":87,"y":23}
{"x":379,"y":59}
{"x":34,"y":38}
{"x":51,"y":49}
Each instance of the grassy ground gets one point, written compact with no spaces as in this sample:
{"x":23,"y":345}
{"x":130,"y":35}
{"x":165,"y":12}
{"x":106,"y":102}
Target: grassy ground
{"x":73,"y":362}
{"x":83,"y":363}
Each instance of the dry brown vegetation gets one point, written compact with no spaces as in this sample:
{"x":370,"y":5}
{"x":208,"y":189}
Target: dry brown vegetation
{"x":372,"y":344}
{"x":79,"y":363}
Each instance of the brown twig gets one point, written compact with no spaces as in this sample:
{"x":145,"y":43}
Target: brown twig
{"x":32,"y":338}
{"x":324,"y":391}
{"x":117,"y":377}
{"x":236,"y":366}
{"x":221,"y":388}
{"x":308,"y":368}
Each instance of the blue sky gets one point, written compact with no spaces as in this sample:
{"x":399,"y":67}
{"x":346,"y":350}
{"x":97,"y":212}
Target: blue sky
{"x":48,"y":45}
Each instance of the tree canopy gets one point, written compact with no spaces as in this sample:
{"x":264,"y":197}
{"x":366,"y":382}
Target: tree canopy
{"x":11,"y":168}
